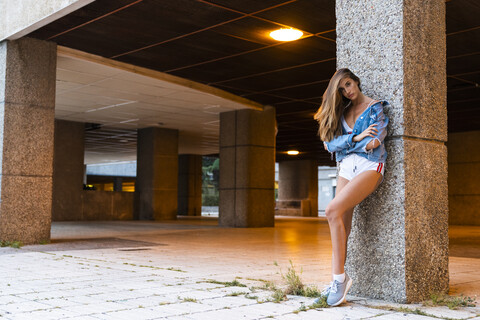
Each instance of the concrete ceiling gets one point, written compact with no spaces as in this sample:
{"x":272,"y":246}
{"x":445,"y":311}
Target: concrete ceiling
{"x":115,"y":99}
{"x":224,"y":44}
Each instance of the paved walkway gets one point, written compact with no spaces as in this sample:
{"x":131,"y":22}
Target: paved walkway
{"x":183,"y":269}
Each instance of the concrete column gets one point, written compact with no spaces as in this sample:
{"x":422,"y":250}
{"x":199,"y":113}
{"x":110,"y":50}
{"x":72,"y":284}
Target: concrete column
{"x":117,"y":184}
{"x":298,"y":188}
{"x":190,"y":185}
{"x":27,"y":113}
{"x":464,"y":178}
{"x":68,"y":170}
{"x":398,"y":248}
{"x":247,"y":168}
{"x":156,"y":187}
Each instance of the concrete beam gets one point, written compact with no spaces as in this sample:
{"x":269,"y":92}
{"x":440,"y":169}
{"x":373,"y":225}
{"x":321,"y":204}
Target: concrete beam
{"x":19,"y":18}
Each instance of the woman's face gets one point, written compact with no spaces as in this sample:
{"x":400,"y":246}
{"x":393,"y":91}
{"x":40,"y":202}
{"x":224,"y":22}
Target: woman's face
{"x":349,"y":88}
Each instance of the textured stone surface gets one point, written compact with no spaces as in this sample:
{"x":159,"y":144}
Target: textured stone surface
{"x":298,"y":180}
{"x":463,"y":178}
{"x":27,"y":85}
{"x":190,"y":185}
{"x":247,"y":168}
{"x":369,"y":42}
{"x":68,"y":170}
{"x":25,"y":211}
{"x":399,"y":243}
{"x":426,"y":219}
{"x":27,"y":132}
{"x":157,"y":174}
{"x":376,"y":248}
{"x":425,"y":78}
{"x":254,"y":167}
{"x":28,"y":140}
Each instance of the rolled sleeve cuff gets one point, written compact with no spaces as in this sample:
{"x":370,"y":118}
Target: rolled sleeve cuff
{"x":326,"y":145}
{"x":350,"y":141}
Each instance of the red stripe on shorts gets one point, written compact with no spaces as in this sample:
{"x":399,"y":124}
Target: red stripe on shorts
{"x":379,"y":168}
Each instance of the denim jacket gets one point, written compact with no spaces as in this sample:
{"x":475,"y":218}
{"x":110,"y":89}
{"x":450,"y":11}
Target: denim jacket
{"x":343,"y":145}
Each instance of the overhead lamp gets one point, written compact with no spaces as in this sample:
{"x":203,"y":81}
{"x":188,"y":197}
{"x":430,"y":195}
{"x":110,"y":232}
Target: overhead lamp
{"x":292,"y":152}
{"x":286,"y":34}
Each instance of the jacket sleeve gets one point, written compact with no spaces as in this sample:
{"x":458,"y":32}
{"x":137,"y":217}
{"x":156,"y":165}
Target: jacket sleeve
{"x":340,"y":142}
{"x":382,"y":121}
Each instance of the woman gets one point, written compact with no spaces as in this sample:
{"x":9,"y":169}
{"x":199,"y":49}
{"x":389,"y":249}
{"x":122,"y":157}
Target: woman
{"x":353,"y":126}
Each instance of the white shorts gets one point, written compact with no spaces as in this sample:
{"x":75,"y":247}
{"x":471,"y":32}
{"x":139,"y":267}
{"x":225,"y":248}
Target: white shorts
{"x":353,"y":165}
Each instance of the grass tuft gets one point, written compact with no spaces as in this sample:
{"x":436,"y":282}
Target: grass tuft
{"x":295,"y":285}
{"x":234,"y":283}
{"x":278,"y":295}
{"x":236,"y":293}
{"x":452,"y":302}
{"x":320,"y":303}
{"x":13,"y":244}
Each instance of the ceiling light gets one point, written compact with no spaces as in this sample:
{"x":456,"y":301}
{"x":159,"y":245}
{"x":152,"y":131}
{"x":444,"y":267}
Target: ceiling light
{"x":286,"y":34}
{"x":292,"y":152}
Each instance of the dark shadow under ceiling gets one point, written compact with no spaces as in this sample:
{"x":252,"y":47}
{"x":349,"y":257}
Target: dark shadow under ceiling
{"x":224,"y":44}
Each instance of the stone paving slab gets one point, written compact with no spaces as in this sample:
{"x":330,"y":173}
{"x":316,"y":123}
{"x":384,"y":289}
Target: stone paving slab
{"x":182,"y":282}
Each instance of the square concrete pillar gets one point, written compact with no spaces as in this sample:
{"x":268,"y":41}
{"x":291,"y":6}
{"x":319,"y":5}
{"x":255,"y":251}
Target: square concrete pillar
{"x":190,"y":185}
{"x":298,"y":188}
{"x":27,"y":114}
{"x":398,"y":249}
{"x":247,"y":168}
{"x":156,"y":187}
{"x":68,"y":170}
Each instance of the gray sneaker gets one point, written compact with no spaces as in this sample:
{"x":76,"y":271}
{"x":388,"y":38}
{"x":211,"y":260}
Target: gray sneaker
{"x":338,"y":291}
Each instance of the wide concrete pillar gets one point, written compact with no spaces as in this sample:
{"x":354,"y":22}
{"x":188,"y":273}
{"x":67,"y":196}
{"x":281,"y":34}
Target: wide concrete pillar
{"x":190,"y":185}
{"x":398,"y":249}
{"x":247,"y":168}
{"x":27,"y":113}
{"x":68,"y":170}
{"x":298,"y":188}
{"x":156,"y":187}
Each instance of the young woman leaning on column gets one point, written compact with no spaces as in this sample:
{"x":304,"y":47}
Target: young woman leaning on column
{"x":354,"y":127}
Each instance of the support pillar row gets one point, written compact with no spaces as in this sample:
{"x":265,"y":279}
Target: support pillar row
{"x":68,"y":171}
{"x":247,"y":168}
{"x":156,"y":187}
{"x":398,"y":249}
{"x":27,"y":115}
{"x":190,"y":185}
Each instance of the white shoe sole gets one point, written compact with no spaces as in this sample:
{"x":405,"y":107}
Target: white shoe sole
{"x":349,"y":284}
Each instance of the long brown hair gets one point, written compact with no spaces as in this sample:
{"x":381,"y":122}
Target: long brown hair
{"x":333,"y":103}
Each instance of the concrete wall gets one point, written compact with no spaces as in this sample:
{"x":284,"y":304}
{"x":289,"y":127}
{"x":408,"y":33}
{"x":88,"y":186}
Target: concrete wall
{"x":20,"y":17}
{"x":464,"y":178}
{"x":297,"y":188}
{"x":107,"y":205}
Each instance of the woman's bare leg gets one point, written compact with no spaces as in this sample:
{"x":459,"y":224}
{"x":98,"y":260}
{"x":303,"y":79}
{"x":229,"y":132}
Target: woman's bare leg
{"x":340,"y":209}
{"x":347,"y":217}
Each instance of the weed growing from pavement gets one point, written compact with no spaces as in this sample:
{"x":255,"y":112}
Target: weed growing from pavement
{"x":174,"y":269}
{"x":13,"y":244}
{"x":452,"y":302}
{"x":248,"y":296}
{"x":187,"y":299}
{"x":234,"y":283}
{"x":295,"y":284}
{"x":301,"y":308}
{"x":236,"y":293}
{"x":278,"y":295}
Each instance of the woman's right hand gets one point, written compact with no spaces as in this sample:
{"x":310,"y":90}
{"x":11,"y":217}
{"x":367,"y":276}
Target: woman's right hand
{"x":371,"y":131}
